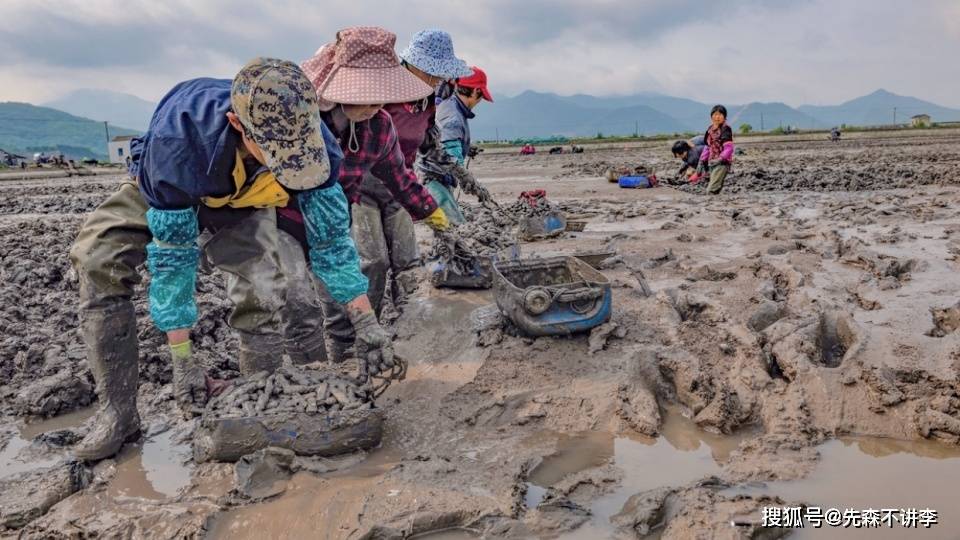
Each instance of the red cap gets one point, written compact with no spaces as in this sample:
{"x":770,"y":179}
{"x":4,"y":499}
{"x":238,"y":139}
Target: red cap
{"x":477,"y":80}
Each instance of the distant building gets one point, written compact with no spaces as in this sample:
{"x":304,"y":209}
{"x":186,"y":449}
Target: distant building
{"x":10,"y":159}
{"x":119,"y":148}
{"x":920,"y":120}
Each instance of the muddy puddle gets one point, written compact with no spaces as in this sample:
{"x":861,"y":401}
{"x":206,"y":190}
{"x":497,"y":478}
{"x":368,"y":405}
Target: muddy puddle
{"x":312,"y":505}
{"x":448,"y":306}
{"x":683,"y":453}
{"x":873,"y":473}
{"x":14,"y":458}
{"x":153,"y":469}
{"x":857,"y":472}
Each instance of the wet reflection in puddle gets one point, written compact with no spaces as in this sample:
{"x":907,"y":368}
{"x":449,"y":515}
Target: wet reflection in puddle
{"x":867,"y":472}
{"x":574,"y":453}
{"x":313,"y":506}
{"x":683,"y":453}
{"x":154,"y":471}
{"x":10,"y":461}
{"x":69,"y":420}
{"x":446,"y":309}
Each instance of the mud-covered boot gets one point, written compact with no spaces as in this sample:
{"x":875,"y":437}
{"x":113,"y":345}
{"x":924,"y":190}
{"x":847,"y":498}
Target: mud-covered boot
{"x":111,"y":338}
{"x":260,"y":352}
{"x":307,"y":350}
{"x":338,"y":351}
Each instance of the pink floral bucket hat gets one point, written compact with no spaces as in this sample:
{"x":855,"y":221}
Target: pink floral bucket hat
{"x":362,"y":68}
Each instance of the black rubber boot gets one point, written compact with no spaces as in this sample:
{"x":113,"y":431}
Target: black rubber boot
{"x":307,"y":350}
{"x":260,"y":352}
{"x":111,"y":338}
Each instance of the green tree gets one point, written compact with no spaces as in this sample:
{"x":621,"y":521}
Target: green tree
{"x":745,"y":128}
{"x":599,"y":134}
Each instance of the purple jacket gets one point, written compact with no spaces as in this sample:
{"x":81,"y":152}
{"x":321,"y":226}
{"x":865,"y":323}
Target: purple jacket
{"x":718,"y":145}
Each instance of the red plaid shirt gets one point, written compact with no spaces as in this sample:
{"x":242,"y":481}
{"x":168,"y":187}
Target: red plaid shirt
{"x":380,"y":154}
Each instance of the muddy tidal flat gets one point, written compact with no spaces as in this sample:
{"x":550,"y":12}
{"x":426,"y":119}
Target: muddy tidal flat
{"x":790,"y":343}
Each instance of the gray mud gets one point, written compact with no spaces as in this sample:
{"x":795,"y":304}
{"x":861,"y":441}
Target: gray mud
{"x":790,"y":341}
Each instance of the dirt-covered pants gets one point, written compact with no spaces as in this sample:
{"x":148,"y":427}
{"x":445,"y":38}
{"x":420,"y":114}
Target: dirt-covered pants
{"x":718,"y":173}
{"x":112,"y":244}
{"x":385,"y":238}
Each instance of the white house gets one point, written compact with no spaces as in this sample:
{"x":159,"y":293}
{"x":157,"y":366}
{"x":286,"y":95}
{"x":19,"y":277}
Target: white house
{"x":119,"y":148}
{"x":920,"y":120}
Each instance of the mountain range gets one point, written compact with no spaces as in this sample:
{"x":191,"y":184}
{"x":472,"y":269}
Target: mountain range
{"x":73,"y":124}
{"x":117,"y":108}
{"x":536,"y":114}
{"x":25,"y":129}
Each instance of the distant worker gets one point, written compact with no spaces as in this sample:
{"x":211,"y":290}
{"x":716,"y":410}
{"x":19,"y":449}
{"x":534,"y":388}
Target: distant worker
{"x":688,"y":152}
{"x":427,"y":57}
{"x":717,"y":154}
{"x":835,"y":134}
{"x":453,"y":121}
{"x":219,"y":155}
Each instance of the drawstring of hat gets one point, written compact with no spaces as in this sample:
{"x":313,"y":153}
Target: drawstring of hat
{"x":353,"y":144}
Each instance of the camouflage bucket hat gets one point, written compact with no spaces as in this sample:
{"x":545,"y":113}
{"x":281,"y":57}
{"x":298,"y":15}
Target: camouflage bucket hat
{"x":277,"y":106}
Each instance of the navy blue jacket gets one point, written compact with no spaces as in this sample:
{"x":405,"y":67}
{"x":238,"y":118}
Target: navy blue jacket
{"x":189,"y":149}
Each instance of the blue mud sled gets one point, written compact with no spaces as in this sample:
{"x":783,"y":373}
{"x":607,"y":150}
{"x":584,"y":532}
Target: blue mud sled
{"x":552,"y":296}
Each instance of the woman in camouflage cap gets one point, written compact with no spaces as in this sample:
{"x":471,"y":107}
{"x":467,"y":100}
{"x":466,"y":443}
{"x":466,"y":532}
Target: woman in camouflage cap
{"x":220,"y":156}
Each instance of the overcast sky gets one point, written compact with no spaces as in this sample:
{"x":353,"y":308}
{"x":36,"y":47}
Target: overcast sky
{"x":796,"y":51}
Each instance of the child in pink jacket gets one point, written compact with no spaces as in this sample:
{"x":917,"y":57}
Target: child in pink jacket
{"x":717,"y":154}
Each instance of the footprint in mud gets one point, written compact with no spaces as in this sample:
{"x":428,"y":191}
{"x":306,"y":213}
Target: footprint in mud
{"x":692,"y":307}
{"x":794,"y":347}
{"x":945,"y":321}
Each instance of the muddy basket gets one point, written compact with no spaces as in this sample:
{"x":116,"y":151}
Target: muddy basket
{"x":553,"y":296}
{"x":476,"y":273}
{"x":546,"y":225}
{"x":330,"y":434}
{"x":313,"y":412}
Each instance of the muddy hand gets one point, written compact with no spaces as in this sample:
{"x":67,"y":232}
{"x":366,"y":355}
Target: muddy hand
{"x":483,"y":194}
{"x":373,"y":344}
{"x":189,"y":379}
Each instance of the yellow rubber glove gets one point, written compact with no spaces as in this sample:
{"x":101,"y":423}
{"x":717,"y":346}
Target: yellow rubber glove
{"x":189,"y":379}
{"x":437,"y":220}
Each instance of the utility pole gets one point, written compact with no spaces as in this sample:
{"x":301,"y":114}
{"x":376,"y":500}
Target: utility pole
{"x":761,"y":120}
{"x":106,"y":129}
{"x":894,"y":116}
{"x":636,"y":128}
{"x":498,"y":134}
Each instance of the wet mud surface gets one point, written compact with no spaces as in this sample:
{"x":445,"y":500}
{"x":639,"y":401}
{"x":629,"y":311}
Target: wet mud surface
{"x":791,"y":341}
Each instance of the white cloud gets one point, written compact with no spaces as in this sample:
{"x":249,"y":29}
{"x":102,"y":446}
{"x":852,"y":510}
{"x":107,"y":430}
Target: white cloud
{"x":811,"y":51}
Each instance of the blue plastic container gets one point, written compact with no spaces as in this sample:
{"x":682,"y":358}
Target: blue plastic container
{"x":552,"y":296}
{"x":634,"y":182}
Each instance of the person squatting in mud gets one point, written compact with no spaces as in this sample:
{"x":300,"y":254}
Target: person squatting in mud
{"x":354,"y":77}
{"x":688,"y":152}
{"x":717,"y":155}
{"x":453,"y":115}
{"x":218,"y":156}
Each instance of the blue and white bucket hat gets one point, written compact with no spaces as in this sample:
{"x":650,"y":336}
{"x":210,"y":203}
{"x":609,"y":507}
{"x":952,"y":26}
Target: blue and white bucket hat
{"x":431,"y":51}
